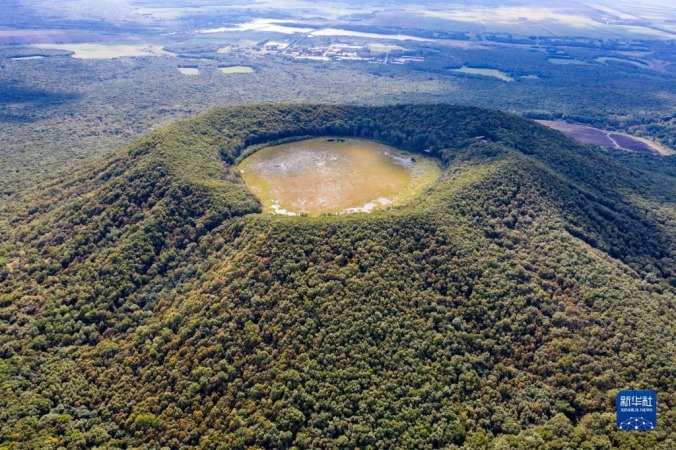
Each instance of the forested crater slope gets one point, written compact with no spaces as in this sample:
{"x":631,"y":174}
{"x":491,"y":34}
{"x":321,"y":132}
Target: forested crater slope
{"x":148,"y":303}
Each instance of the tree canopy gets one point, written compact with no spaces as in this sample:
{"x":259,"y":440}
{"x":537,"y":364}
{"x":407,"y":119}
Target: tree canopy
{"x":148,"y":304}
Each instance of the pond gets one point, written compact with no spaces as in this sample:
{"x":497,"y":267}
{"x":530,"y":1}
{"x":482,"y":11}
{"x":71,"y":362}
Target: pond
{"x":335,"y":175}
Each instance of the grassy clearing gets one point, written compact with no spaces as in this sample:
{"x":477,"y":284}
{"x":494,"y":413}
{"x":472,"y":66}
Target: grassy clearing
{"x":236,"y":69}
{"x":108,"y":51}
{"x":189,"y":70}
{"x":485,"y":72}
{"x":567,"y":62}
{"x":384,"y":48}
{"x":636,"y":62}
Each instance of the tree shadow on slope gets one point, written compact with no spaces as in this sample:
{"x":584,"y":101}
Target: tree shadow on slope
{"x":601,"y":204}
{"x":22,"y":104}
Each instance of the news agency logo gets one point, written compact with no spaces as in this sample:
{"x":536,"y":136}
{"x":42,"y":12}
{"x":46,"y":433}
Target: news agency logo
{"x":636,"y":410}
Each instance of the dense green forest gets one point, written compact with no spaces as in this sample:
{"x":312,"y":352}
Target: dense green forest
{"x":76,"y":110}
{"x":147,"y":303}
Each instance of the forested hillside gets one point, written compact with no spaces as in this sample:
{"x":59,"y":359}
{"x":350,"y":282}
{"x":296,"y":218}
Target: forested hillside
{"x":148,"y":303}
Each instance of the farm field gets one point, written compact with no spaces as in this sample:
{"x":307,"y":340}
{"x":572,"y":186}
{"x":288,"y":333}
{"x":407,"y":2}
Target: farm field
{"x":595,"y":136}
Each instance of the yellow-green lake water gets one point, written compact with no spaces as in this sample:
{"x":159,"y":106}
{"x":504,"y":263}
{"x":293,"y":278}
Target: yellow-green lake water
{"x":332,"y":175}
